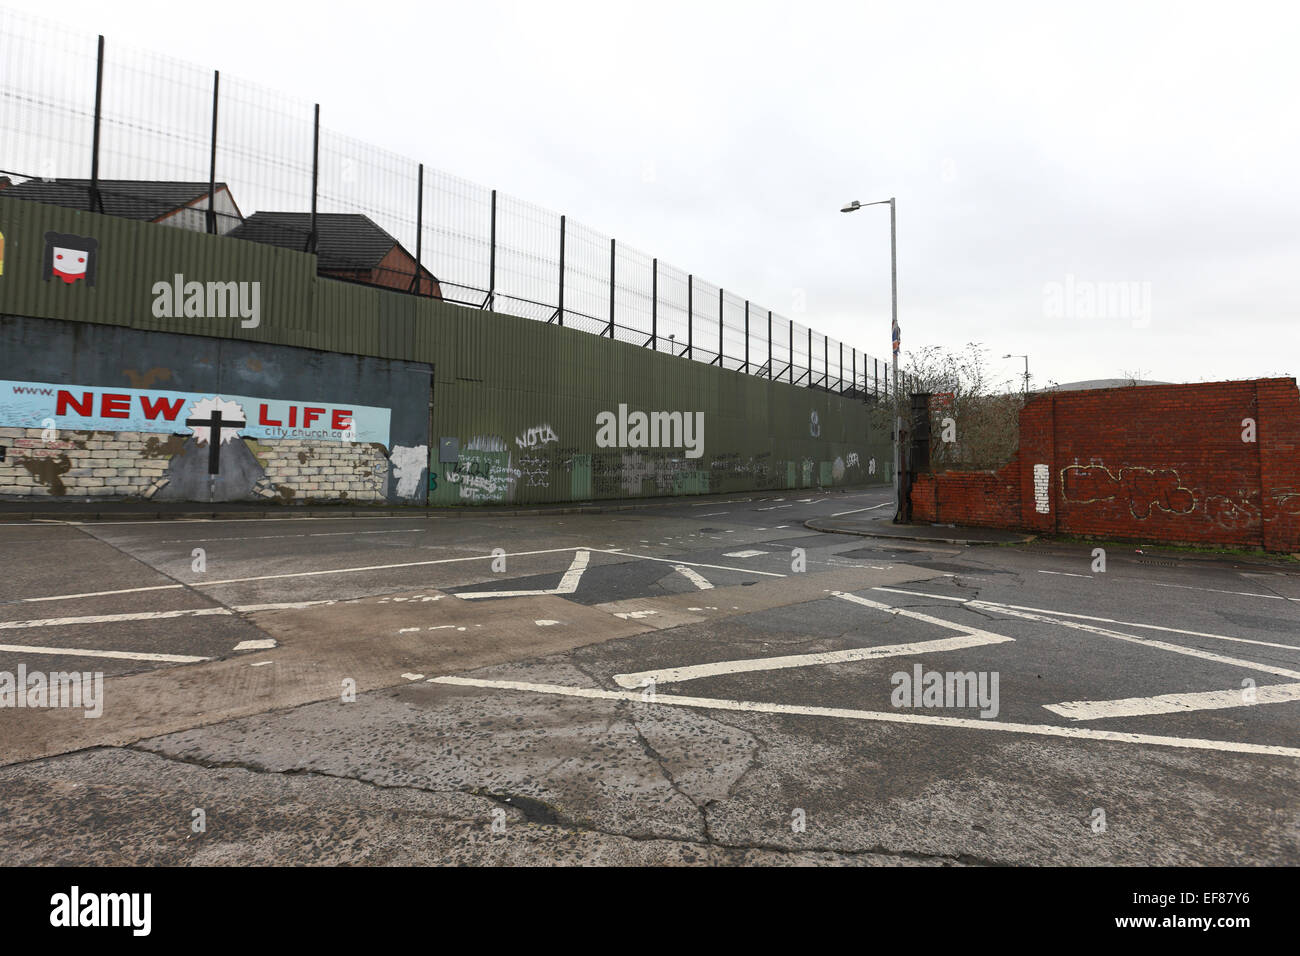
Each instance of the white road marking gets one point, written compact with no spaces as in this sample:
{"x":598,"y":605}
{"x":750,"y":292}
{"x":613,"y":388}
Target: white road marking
{"x":896,"y":717}
{"x":1173,"y":703}
{"x":841,"y":514}
{"x":568,"y":584}
{"x":1089,"y":617}
{"x":413,"y":677}
{"x":112,"y":655}
{"x":546,"y":623}
{"x":260,"y":645}
{"x":409,"y":630}
{"x":712,"y":514}
{"x":1192,"y":587}
{"x":1066,"y":574}
{"x":261,"y":663}
{"x":692,"y":564}
{"x":267,"y":537}
{"x":635,"y":615}
{"x":154,"y":615}
{"x":294,"y":574}
{"x":745,"y":554}
{"x":967,"y":637}
{"x":774,"y":508}
{"x":699,"y":580}
{"x":674,"y":674}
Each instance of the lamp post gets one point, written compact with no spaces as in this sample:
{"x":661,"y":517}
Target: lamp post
{"x":1026,"y":358}
{"x":894,"y":334}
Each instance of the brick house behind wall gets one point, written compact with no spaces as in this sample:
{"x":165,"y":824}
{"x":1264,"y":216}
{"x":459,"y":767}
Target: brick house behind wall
{"x":1170,"y":463}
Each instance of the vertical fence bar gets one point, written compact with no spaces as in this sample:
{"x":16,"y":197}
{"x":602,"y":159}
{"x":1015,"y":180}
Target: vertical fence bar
{"x":771,"y":372}
{"x":792,"y":353}
{"x":96,"y":205}
{"x":810,"y":380}
{"x":612,"y":254}
{"x":416,"y":285}
{"x":690,"y":316}
{"x":315,"y":177}
{"x":492,"y":257}
{"x":855,"y":374}
{"x":721,"y":309}
{"x":212,"y":156}
{"x":746,"y":336}
{"x":841,"y":368}
{"x":654,"y":305}
{"x":560,"y":311}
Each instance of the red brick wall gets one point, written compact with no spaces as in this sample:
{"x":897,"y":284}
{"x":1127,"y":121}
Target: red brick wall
{"x":1155,"y":463}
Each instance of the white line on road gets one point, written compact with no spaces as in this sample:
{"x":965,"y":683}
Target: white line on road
{"x":298,"y":574}
{"x":774,"y":508}
{"x":1046,"y":730}
{"x":993,"y":605}
{"x":313,"y":534}
{"x":699,"y":580}
{"x":673,"y":674}
{"x":114,"y":655}
{"x":968,"y":637}
{"x":155,"y":615}
{"x":1254,"y":594}
{"x":1173,"y":703}
{"x":860,"y":510}
{"x":749,"y":553}
{"x":1066,"y":574}
{"x":689,"y":564}
{"x":568,"y":584}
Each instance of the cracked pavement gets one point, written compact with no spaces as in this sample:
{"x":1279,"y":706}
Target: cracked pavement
{"x":308,"y":723}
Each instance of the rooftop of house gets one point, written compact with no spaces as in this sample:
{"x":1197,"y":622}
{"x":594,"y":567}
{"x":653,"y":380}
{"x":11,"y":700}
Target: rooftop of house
{"x":344,"y":241}
{"x":146,"y":200}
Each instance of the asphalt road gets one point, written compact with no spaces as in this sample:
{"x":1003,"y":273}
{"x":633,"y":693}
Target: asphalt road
{"x":697,"y":682}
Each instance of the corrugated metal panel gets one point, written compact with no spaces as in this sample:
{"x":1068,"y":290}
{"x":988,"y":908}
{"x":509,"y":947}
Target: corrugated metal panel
{"x":525,"y":392}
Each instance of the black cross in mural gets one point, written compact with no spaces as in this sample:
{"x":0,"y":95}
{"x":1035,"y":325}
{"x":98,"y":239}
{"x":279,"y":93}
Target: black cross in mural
{"x":216,"y":424}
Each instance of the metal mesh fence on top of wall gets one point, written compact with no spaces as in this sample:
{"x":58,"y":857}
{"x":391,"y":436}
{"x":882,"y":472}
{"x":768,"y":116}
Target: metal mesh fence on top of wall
{"x":90,"y":125}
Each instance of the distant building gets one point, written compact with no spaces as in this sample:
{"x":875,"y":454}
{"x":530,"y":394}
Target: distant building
{"x":183,"y":205}
{"x":348,"y":246}
{"x":1101,"y":383}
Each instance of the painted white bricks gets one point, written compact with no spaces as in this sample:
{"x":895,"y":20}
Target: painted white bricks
{"x":1042,"y":484}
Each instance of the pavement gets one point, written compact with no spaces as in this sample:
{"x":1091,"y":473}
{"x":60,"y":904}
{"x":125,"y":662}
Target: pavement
{"x":688,"y":682}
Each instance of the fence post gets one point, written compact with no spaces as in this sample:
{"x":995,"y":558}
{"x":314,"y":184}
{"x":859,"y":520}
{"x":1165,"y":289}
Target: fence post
{"x":841,"y":368}
{"x":690,"y":316}
{"x":792,"y":352}
{"x":826,"y":362}
{"x":416,"y":284}
{"x":492,"y":257}
{"x":612,"y":259}
{"x":654,"y":305}
{"x":771,"y":371}
{"x":721,"y":309}
{"x":315,"y":177}
{"x":746,"y":336}
{"x":560,"y":311}
{"x":212,"y":157}
{"x":96,"y":204}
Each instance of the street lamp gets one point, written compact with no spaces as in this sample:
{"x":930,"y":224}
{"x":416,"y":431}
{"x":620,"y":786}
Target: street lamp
{"x":894,"y":335}
{"x":1026,"y":358}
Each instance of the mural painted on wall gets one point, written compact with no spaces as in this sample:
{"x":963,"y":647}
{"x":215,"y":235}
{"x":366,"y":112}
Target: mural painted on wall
{"x":70,"y":258}
{"x":92,"y":440}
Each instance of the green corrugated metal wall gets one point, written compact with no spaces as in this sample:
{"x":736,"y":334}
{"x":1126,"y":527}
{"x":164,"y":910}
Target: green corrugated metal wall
{"x":495,"y":375}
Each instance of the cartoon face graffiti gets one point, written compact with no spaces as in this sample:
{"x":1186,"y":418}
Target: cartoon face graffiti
{"x":71,"y":258}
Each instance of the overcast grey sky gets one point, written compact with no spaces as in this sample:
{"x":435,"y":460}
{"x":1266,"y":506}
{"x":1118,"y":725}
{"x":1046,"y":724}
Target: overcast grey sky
{"x":1039,"y":153}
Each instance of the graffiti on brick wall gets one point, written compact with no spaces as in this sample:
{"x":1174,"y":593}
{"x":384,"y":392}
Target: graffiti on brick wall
{"x":1142,"y":489}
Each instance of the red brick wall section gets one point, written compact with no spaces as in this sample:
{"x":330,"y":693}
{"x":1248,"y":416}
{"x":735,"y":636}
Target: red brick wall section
{"x":1159,"y":463}
{"x":1279,"y":463}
